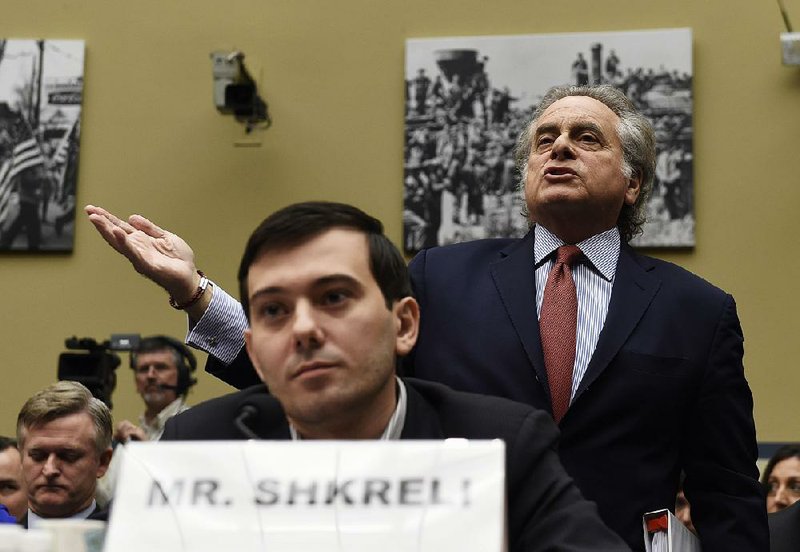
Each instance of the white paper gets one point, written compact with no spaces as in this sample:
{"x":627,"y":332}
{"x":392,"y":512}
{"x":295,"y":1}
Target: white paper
{"x":306,"y":496}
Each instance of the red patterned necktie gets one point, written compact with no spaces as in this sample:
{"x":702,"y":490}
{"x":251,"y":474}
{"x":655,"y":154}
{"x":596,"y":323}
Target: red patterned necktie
{"x":558,"y":324}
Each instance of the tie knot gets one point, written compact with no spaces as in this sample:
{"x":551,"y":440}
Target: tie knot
{"x":568,"y":255}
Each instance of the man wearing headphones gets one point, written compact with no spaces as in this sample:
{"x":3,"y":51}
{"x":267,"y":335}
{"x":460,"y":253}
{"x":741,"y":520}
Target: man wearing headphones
{"x":162,"y":371}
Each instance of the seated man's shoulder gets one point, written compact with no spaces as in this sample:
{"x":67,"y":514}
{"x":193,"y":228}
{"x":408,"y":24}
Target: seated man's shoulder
{"x":476,"y":416}
{"x":216,"y":418}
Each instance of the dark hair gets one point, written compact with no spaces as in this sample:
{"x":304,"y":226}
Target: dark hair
{"x":791,"y":450}
{"x":298,"y":223}
{"x":184,"y":358}
{"x":7,"y":443}
{"x":635,"y":133}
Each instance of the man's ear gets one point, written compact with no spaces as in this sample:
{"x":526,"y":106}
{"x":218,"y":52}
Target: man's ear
{"x":406,"y":312}
{"x":248,"y":343}
{"x":634,"y":188}
{"x":105,"y":460}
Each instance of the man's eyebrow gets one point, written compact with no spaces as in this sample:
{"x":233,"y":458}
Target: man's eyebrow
{"x":326,"y":280}
{"x":580,"y":126}
{"x":546,"y":129}
{"x":587,"y":125}
{"x":56,"y":449}
{"x":336,"y":279}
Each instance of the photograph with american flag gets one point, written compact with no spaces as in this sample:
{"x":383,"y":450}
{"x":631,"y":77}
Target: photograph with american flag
{"x":41,"y":92}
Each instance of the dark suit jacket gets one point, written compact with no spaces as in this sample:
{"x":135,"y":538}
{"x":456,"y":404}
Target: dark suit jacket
{"x":664,"y":390}
{"x":546,"y":510}
{"x":784,"y":529}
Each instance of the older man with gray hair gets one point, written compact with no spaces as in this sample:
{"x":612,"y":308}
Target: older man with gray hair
{"x":64,"y":436}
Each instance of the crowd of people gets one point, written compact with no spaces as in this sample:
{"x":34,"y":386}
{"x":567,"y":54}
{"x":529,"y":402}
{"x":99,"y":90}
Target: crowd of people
{"x":460,"y":178}
{"x":566,"y":343}
{"x":38,"y":176}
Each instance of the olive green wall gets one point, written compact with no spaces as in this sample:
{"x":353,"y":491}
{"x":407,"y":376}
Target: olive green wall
{"x":332,"y":72}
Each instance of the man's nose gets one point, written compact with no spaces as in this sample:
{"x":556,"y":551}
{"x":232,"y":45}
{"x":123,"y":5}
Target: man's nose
{"x":562,"y":148}
{"x":51,"y":467}
{"x":307,"y":332}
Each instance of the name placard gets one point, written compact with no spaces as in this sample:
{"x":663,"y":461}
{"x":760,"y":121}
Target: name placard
{"x":310,"y":496}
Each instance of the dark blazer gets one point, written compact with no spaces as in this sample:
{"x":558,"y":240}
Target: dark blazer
{"x":784,"y":529}
{"x":664,"y":391}
{"x":546,"y":510}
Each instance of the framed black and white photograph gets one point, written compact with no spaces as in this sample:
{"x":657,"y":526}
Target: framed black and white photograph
{"x":468,"y":98}
{"x":41,"y":92}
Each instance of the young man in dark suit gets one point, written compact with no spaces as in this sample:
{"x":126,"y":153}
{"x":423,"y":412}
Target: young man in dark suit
{"x":330,"y":309}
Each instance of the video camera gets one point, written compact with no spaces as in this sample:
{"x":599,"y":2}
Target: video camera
{"x":96,"y":366}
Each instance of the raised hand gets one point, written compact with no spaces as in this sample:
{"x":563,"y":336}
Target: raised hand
{"x":161,"y":256}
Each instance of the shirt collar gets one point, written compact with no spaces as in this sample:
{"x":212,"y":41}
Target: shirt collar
{"x":602,"y":250}
{"x":395,"y":426}
{"x":33,"y":519}
{"x":157,"y":425}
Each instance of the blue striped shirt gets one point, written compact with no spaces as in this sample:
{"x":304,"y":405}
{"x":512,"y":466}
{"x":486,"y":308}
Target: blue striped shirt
{"x":594,"y":279}
{"x":220,"y":331}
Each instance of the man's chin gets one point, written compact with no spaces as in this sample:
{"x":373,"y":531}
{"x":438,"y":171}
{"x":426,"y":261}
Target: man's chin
{"x":51,"y":505}
{"x":157,"y":397}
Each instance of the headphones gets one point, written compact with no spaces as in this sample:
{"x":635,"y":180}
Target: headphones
{"x":187,"y":363}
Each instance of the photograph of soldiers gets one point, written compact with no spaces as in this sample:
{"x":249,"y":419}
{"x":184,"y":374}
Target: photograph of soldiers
{"x":468,"y":98}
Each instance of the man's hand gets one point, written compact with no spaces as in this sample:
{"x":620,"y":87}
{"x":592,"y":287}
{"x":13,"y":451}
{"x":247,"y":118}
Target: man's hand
{"x":127,"y":431}
{"x":161,"y":256}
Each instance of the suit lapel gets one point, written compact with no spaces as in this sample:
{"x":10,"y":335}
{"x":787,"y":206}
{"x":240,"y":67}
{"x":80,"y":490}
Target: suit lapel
{"x":514,"y":277}
{"x":634,"y":289}
{"x":421,"y":421}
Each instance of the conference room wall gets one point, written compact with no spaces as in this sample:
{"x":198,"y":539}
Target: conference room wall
{"x":332,"y":73}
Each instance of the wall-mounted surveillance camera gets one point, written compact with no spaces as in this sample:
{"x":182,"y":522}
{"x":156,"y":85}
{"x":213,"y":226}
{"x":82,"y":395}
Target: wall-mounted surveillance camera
{"x":790,"y":41}
{"x":235,"y":91}
{"x":790,"y":46}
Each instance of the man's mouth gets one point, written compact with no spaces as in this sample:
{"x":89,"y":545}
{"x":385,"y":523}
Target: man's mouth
{"x":559,"y":171}
{"x":50,"y":488}
{"x":308,"y":368}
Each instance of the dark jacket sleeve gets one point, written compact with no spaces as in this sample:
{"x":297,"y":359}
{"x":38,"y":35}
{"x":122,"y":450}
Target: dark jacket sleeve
{"x":546,"y":509}
{"x":719,"y":458}
{"x":784,"y":529}
{"x":239,"y":373}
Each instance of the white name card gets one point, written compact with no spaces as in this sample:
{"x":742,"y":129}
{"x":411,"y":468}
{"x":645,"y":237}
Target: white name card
{"x":308,"y":496}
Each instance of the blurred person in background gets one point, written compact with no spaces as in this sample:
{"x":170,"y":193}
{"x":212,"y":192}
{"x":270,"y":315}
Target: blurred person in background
{"x":162,"y":372}
{"x":13,"y":494}
{"x":64,"y":436}
{"x":782,"y":478}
